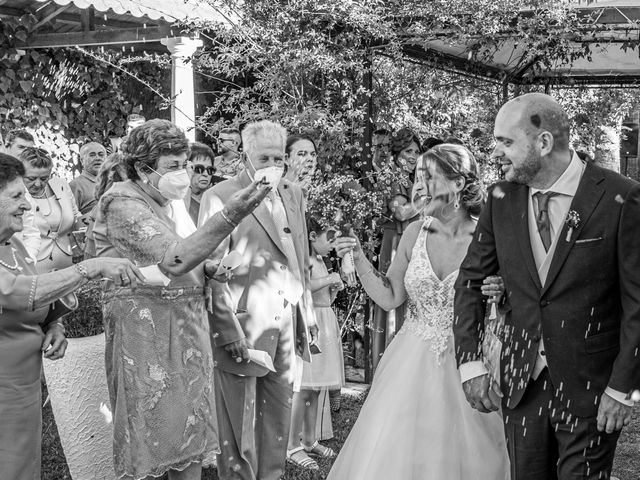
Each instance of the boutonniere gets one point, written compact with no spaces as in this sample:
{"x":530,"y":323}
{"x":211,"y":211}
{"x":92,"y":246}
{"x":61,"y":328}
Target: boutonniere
{"x":572,"y":221}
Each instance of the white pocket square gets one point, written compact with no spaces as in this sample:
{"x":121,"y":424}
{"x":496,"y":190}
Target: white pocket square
{"x":588,"y":240}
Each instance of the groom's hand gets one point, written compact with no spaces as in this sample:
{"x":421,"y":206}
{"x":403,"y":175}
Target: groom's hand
{"x":612,"y":415}
{"x":477,"y":392}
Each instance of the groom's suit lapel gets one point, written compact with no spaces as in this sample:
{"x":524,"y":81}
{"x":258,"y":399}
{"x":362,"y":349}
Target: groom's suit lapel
{"x":519,"y":206}
{"x":588,"y":195}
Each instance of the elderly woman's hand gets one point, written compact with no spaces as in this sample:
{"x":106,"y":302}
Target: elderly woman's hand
{"x":211,"y":271}
{"x":245,"y":201}
{"x":120,"y":270}
{"x":54,"y":344}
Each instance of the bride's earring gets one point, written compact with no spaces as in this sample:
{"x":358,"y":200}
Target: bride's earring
{"x":456,"y":202}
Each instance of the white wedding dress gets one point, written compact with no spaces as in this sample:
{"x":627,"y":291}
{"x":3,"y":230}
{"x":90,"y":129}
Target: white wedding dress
{"x":416,"y":423}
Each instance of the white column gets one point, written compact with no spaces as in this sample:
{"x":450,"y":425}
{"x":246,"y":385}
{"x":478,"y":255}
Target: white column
{"x":182,"y":89}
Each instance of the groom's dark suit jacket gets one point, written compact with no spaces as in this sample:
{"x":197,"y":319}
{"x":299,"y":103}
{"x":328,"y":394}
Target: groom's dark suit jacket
{"x":588,"y":311}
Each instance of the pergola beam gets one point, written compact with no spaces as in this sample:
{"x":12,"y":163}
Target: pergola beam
{"x":96,"y":38}
{"x":51,"y":16}
{"x":11,"y":11}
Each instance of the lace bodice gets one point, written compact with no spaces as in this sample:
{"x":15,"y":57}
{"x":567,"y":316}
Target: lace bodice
{"x":430,"y":300}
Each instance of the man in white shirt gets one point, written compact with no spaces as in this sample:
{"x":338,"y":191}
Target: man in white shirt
{"x":268,"y":297}
{"x":563,"y":235}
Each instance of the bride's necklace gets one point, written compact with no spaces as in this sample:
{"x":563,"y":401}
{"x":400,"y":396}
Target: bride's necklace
{"x":15,"y":265}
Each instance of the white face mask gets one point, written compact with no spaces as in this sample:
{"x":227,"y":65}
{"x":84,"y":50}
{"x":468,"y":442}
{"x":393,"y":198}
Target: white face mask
{"x":271,"y":175}
{"x":174,"y":185}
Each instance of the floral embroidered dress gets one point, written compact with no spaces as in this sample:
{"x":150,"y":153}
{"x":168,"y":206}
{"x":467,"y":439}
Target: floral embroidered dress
{"x":158,"y":350}
{"x":416,"y":422}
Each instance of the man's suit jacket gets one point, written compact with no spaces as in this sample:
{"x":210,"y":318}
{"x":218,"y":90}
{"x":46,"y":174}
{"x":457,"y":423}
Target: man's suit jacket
{"x":588,"y":310}
{"x":254,"y":299}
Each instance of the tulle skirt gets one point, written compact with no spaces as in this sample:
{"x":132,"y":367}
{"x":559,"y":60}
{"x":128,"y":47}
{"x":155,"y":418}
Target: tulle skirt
{"x":416,"y":423}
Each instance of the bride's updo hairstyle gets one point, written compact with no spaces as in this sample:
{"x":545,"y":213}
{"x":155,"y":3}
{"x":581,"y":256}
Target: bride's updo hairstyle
{"x":456,"y":161}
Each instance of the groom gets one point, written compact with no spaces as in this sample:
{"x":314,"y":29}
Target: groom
{"x":564,"y":235}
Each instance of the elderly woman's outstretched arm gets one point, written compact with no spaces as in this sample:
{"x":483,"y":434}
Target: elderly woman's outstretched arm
{"x":137,"y":233}
{"x":28,"y":292}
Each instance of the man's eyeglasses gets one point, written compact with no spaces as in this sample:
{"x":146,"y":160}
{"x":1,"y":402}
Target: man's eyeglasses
{"x":235,"y":142}
{"x":200,"y":169}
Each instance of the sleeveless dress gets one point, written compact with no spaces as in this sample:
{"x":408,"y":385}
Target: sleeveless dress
{"x":416,"y":422}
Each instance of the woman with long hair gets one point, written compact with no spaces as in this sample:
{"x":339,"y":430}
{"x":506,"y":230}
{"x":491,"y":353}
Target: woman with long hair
{"x":416,"y":422}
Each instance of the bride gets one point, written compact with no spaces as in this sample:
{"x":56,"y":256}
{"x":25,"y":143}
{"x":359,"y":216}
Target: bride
{"x":416,"y":422}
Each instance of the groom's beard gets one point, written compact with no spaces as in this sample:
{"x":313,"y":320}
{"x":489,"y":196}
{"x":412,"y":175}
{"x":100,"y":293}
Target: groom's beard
{"x":528,"y":170}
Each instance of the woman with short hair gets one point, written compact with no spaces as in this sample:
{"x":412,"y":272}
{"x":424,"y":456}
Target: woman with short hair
{"x":29,"y":325}
{"x":158,"y":347}
{"x":55,"y":209}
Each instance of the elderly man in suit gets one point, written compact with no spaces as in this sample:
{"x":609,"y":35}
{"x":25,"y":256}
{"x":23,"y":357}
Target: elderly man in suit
{"x":266,"y":306}
{"x":564,"y":236}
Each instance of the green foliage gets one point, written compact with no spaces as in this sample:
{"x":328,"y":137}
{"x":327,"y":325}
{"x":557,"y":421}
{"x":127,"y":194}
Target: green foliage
{"x":304,"y":63}
{"x":67,"y":97}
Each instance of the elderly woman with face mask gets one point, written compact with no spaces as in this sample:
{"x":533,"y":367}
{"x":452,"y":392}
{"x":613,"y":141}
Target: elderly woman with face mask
{"x":55,"y":211}
{"x":158,"y":348}
{"x":29,"y":325}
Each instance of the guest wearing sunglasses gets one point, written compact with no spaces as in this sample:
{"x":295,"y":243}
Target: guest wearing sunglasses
{"x":201,"y":172}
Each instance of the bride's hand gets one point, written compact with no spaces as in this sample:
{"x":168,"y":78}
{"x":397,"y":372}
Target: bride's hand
{"x":477,"y":392}
{"x":345,"y":244}
{"x":493,"y":287}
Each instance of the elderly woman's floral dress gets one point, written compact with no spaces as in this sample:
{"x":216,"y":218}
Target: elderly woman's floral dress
{"x":416,"y":423}
{"x":158,"y":350}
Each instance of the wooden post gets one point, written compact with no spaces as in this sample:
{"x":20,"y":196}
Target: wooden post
{"x":505,"y":91}
{"x":366,"y":161}
{"x":87,"y":19}
{"x":366,"y":156}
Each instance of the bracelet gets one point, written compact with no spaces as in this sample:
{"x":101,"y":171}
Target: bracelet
{"x":60,"y":324}
{"x":227,"y":219}
{"x":365,"y":273}
{"x":82,"y":270}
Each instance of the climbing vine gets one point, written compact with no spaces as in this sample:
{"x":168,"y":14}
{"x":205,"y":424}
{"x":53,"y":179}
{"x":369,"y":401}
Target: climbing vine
{"x":66,"y":96}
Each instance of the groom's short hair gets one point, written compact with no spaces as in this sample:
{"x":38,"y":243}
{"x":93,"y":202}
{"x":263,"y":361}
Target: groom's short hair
{"x":543,"y":112}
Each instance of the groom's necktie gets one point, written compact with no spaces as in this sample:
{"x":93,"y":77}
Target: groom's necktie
{"x":542,"y":217}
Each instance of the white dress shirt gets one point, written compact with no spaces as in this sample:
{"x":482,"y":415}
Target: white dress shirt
{"x":558,"y":207}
